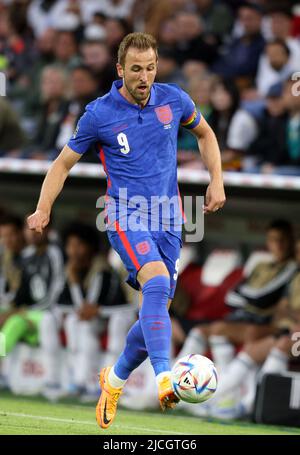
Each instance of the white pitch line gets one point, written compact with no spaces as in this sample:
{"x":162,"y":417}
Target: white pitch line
{"x":83,"y":422}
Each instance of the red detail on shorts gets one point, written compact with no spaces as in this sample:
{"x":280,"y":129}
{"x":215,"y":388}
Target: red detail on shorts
{"x":127,"y":246}
{"x":164,"y":114}
{"x":102,"y":158}
{"x":143,"y":247}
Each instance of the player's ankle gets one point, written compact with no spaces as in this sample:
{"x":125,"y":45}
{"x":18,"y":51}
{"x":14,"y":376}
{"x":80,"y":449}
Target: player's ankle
{"x":160,"y":376}
{"x":115,"y":381}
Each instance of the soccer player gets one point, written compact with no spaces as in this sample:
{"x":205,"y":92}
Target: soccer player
{"x":135,"y":128}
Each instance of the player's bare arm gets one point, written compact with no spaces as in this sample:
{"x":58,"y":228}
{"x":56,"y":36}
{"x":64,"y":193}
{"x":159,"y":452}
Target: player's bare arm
{"x":52,"y":186}
{"x":210,"y":153}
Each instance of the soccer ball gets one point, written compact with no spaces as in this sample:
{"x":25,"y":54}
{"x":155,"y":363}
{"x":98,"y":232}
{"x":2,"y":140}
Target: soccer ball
{"x":194,"y":378}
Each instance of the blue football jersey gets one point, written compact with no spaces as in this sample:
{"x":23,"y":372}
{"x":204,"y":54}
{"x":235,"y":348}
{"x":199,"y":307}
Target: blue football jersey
{"x":138,"y":146}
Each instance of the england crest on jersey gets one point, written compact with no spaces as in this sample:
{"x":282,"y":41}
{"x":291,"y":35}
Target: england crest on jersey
{"x":164,"y":114}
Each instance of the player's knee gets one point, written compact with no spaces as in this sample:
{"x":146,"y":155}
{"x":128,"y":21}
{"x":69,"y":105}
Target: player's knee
{"x":159,"y":285}
{"x":152,"y":270}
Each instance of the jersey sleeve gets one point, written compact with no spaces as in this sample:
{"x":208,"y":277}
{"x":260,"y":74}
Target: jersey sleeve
{"x":190,"y":115}
{"x":85,"y":133}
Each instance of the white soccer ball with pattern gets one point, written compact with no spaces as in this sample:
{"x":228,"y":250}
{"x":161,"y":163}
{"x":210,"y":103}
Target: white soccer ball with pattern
{"x":194,"y":378}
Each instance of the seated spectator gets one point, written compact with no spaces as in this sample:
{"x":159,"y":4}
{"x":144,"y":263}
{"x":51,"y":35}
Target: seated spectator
{"x":92,"y":300}
{"x":44,"y":14}
{"x":284,"y":114}
{"x":292,"y":103}
{"x":239,"y":59}
{"x":267,"y":355}
{"x":40,"y":284}
{"x":168,"y":70}
{"x":167,"y":34}
{"x":224,"y":101}
{"x":191,"y":42}
{"x":274,"y":66}
{"x":96,"y":55}
{"x":217,"y":17}
{"x":201,"y":290}
{"x":281,"y":20}
{"x":253,"y":301}
{"x":83,"y":86}
{"x":13,"y":242}
{"x":200,"y":90}
{"x":30,"y":90}
{"x":52,"y":111}
{"x":269,"y":148}
{"x":116,"y":30}
{"x":120,"y":9}
{"x":12,"y":137}
{"x":66,"y":49}
{"x":242,"y":131}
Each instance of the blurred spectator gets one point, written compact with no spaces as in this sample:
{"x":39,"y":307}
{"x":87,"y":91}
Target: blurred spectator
{"x":168,"y":70}
{"x":15,"y":49}
{"x":191,"y":43}
{"x":43,"y":14}
{"x":292,"y":102}
{"x":200,"y":90}
{"x":32,"y":76}
{"x":269,"y":355}
{"x":253,"y":301}
{"x":83,"y":85}
{"x":269,"y":147}
{"x":51,"y":113}
{"x":192,"y":69}
{"x":224,"y":101}
{"x":92,"y":300}
{"x":65,"y":49}
{"x":274,"y":65}
{"x":217,"y":17}
{"x":240,"y":57}
{"x":40,"y":284}
{"x":116,"y":29}
{"x":157,"y":11}
{"x":120,"y":9}
{"x":12,"y":137}
{"x":96,"y":55}
{"x":281,"y":28}
{"x":167,"y":34}
{"x":13,"y":242}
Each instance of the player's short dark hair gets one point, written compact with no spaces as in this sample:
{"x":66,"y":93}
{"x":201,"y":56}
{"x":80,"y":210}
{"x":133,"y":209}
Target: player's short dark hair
{"x":10,"y":219}
{"x":138,"y":40}
{"x":86,"y":233}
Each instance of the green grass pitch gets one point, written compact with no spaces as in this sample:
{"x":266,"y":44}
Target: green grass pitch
{"x":34,"y":416}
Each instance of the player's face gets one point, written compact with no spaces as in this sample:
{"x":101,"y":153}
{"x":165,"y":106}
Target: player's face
{"x":138,"y":74}
{"x":278,"y":244}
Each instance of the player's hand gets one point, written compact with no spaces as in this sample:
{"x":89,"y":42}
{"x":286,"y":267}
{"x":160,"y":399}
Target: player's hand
{"x":215,"y":197}
{"x":38,"y":220}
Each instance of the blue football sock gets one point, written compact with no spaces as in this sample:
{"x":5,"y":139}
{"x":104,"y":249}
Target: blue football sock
{"x":134,"y":354}
{"x":155,"y":322}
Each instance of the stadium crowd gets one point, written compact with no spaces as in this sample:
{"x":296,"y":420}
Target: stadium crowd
{"x":235,"y":58}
